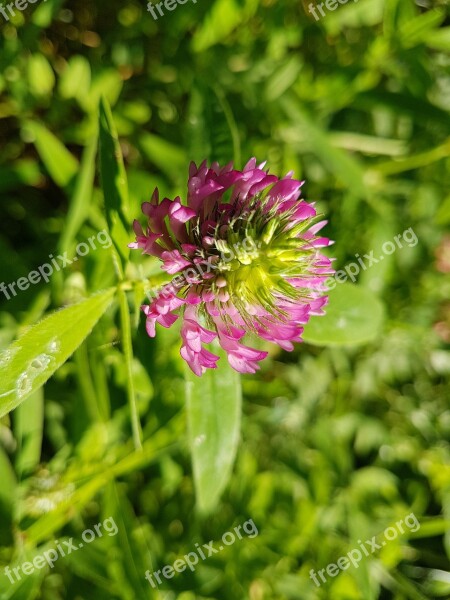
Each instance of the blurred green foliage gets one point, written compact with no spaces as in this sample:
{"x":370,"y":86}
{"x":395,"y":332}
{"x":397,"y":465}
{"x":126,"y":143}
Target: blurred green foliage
{"x":337,"y":443}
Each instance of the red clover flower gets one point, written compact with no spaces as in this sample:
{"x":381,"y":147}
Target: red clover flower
{"x":245,"y":254}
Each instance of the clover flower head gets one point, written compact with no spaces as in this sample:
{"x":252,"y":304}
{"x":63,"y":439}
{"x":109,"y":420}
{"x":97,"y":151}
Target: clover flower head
{"x":244,"y":251}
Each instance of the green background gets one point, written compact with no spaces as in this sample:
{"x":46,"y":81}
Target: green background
{"x":337,"y":442}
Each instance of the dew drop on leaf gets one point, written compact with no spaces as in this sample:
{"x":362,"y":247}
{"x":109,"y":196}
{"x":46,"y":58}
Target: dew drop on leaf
{"x":199,"y":440}
{"x":23,"y":385}
{"x":54,"y":346}
{"x":40,"y":363}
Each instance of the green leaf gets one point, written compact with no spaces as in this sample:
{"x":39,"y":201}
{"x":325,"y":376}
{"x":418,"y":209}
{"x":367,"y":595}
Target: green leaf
{"x":415,"y":161}
{"x":283,"y":78}
{"x":131,"y":539}
{"x":106,"y":84}
{"x":58,"y":161}
{"x":214,"y":418}
{"x":402,"y":104}
{"x":114,"y":182}
{"x":223,"y":17}
{"x":228,"y":116}
{"x":23,"y":172}
{"x":166,"y":156}
{"x":345,"y":167}
{"x":443,"y":214}
{"x":28,"y":431}
{"x":41,"y":77}
{"x":415,"y":30}
{"x":8,"y":496}
{"x":353,"y":15}
{"x":397,"y":14}
{"x":31,"y":360}
{"x":379,"y":276}
{"x":354,"y":315}
{"x":440,"y":39}
{"x":81,"y":199}
{"x":212,"y":132}
{"x":28,"y":587}
{"x":46,"y":12}
{"x":75,"y":81}
{"x":163,"y":441}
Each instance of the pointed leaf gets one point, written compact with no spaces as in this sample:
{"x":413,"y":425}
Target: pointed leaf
{"x":31,"y":360}
{"x":81,"y":199}
{"x":165,"y":155}
{"x":345,"y":167}
{"x":59,"y":162}
{"x":212,"y":132}
{"x":214,"y":418}
{"x":223,"y":17}
{"x":114,"y":182}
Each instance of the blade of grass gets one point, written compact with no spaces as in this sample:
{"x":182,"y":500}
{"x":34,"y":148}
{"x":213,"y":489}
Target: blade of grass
{"x":128,"y":352}
{"x":162,"y":441}
{"x":423,"y":159}
{"x":114,"y":184}
{"x":81,"y":199}
{"x":344,"y":167}
{"x":234,"y":131}
{"x":28,"y":431}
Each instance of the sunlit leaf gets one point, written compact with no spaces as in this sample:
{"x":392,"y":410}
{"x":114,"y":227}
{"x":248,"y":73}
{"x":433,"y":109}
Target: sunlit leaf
{"x":80,"y":201}
{"x":354,"y":315}
{"x":214,"y":418}
{"x":59,"y":162}
{"x":212,"y":132}
{"x":166,"y":156}
{"x":220,"y":21}
{"x":114,"y":182}
{"x":41,"y":77}
{"x":345,"y":167}
{"x":31,"y":360}
{"x":76,"y":79}
{"x":28,"y":429}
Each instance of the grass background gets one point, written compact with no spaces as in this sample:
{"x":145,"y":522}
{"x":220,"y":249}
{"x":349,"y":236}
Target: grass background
{"x":337,"y":443}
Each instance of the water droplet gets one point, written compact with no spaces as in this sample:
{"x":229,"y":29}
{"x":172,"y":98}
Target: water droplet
{"x":5,"y":357}
{"x":45,"y":505}
{"x":23,"y":385}
{"x":199,"y":440}
{"x":40,"y":363}
{"x":54,"y":346}
{"x":47,"y":483}
{"x":24,"y":382}
{"x":341,"y":323}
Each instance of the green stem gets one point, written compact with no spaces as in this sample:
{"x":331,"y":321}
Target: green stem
{"x":414,"y":162}
{"x":128,"y":352}
{"x":86,"y":384}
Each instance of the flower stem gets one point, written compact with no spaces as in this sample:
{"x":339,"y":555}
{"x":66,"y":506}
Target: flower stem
{"x":128,"y":352}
